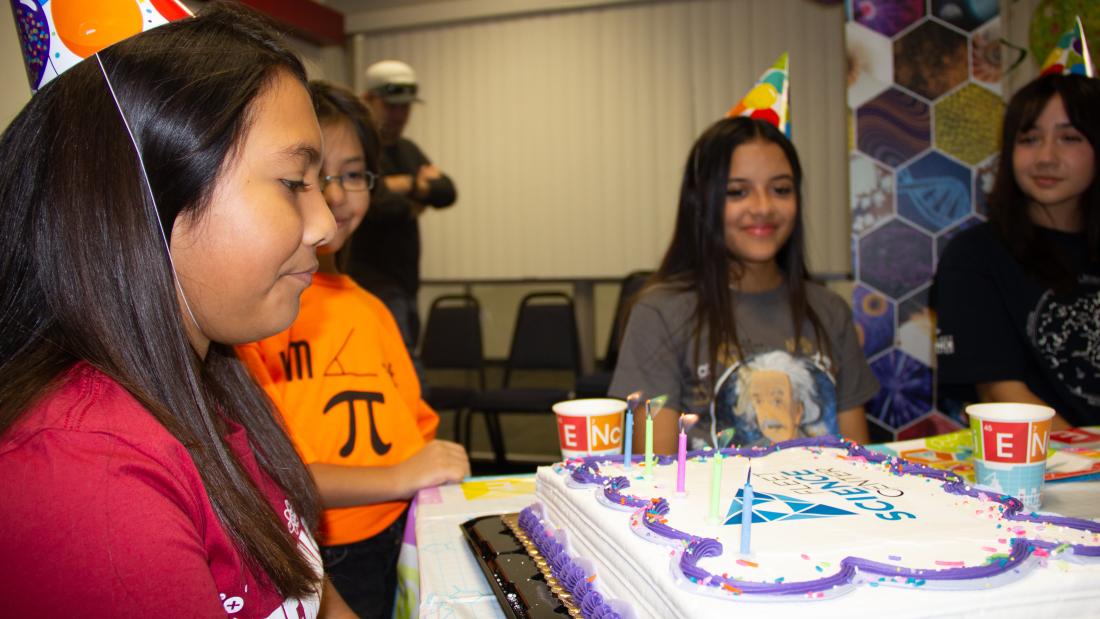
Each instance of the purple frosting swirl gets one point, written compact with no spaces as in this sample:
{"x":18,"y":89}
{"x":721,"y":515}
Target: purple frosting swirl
{"x":592,"y":601}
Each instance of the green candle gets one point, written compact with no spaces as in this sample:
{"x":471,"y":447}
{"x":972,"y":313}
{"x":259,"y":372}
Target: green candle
{"x":715,"y":484}
{"x":652,"y":407}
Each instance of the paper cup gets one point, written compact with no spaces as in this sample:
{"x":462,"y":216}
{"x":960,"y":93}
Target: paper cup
{"x":588,"y":427}
{"x":1010,"y":448}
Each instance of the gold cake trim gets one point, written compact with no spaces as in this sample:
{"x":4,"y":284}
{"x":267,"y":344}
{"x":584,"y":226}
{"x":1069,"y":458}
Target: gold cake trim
{"x":559,"y":591}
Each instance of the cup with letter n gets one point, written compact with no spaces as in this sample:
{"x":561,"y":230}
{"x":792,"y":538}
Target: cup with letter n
{"x":591,"y":426}
{"x":1010,"y":448}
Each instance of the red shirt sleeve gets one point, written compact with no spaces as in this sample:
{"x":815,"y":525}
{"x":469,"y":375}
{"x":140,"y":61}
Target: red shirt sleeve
{"x":95,"y":528}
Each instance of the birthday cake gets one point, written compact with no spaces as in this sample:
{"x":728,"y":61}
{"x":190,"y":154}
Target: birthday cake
{"x":833,"y":529}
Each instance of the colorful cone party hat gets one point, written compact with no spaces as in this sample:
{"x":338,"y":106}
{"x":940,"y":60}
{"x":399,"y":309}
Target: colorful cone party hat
{"x":57,"y":34}
{"x":1071,"y":54}
{"x":769,"y":99}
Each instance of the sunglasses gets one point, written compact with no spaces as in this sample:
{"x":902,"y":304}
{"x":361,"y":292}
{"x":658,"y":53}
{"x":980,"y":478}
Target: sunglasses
{"x":392,"y":90}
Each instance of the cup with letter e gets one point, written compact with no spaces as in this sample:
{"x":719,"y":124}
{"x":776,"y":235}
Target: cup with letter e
{"x":589,"y":427}
{"x":1010,"y":448}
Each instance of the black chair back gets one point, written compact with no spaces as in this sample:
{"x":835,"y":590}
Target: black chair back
{"x":452,"y":336}
{"x":545,"y":337}
{"x":630,"y":286}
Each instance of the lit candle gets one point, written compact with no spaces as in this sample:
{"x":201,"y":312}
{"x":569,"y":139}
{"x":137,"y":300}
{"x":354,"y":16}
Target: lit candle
{"x":652,"y":407}
{"x":746,"y":513}
{"x":632,"y":402}
{"x":681,"y":457}
{"x":715,"y":484}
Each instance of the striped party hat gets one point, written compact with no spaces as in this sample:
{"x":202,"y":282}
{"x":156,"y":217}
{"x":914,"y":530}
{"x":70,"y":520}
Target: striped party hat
{"x":769,"y":99}
{"x":1071,"y":54}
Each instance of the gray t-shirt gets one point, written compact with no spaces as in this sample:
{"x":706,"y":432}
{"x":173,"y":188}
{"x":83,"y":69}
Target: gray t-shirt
{"x":777,"y":392}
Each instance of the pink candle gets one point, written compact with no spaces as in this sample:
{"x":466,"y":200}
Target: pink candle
{"x":681,"y":457}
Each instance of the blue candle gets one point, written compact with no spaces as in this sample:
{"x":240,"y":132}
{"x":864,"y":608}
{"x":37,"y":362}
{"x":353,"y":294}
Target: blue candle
{"x":632,"y":402}
{"x":628,"y":439}
{"x":746,"y":514}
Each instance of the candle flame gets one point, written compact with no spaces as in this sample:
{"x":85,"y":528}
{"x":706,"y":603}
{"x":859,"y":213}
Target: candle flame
{"x":687,"y":420}
{"x":725,"y":438}
{"x":633,"y":400}
{"x":654,"y":405}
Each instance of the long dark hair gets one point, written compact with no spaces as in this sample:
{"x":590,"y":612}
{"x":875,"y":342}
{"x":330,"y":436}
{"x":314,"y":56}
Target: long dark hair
{"x":84,"y":275}
{"x":698,"y":259}
{"x":1008,"y":204}
{"x":332,"y":102}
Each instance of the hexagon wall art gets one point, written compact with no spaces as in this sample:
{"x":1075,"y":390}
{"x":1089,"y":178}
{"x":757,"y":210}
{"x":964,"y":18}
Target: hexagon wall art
{"x":895,"y":259}
{"x":985,"y":55}
{"x":933,"y":191}
{"x":893,"y":127}
{"x":872,"y":192}
{"x":874,"y":320}
{"x":887,"y":17}
{"x":968,"y":123}
{"x":931,"y":59}
{"x":923,"y":140}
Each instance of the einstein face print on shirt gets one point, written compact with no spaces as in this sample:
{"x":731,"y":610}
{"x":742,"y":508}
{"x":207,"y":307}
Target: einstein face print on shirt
{"x":775,"y":396}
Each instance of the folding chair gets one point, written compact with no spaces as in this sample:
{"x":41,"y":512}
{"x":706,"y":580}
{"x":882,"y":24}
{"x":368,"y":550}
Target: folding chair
{"x":452,"y":341}
{"x":596,"y":384}
{"x":545,"y":339}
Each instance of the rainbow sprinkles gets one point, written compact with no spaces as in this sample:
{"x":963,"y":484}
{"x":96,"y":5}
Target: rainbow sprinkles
{"x":833,"y":524}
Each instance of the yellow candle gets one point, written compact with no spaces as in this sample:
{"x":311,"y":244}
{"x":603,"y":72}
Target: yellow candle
{"x":649,"y":446}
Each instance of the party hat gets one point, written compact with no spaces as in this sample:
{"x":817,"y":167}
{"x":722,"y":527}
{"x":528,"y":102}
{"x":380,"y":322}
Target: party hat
{"x":1071,"y":54}
{"x":769,"y":99}
{"x":57,"y":34}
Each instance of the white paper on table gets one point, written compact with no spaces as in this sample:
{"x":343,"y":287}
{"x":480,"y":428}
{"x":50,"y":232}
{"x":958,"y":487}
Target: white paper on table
{"x":451,"y":580}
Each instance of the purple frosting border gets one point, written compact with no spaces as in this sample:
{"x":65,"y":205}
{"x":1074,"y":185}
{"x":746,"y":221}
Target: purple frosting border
{"x":585,"y":471}
{"x":562,"y":566}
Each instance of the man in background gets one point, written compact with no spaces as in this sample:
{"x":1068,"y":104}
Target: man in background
{"x":385,"y":255}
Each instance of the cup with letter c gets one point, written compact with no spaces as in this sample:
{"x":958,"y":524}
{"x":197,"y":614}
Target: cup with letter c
{"x":1011,"y":442}
{"x":591,"y":426}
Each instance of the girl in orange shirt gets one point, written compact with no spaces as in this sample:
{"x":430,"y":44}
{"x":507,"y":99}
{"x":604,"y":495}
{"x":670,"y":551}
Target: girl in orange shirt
{"x":346,"y":387}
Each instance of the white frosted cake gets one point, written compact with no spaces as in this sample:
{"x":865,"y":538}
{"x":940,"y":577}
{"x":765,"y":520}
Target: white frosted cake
{"x":836,"y":531}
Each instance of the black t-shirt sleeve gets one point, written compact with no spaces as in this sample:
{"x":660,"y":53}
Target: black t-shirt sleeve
{"x":977,"y":341}
{"x":441,"y":191}
{"x":386,"y":205}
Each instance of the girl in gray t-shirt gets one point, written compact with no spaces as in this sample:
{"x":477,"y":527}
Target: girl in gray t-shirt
{"x":730,"y":327}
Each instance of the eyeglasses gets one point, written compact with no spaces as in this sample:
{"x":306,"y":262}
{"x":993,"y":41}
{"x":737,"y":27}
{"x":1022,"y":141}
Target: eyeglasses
{"x":351,"y":181}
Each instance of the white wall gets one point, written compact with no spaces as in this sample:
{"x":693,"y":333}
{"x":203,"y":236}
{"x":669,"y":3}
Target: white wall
{"x":566,"y":130}
{"x":328,"y":62}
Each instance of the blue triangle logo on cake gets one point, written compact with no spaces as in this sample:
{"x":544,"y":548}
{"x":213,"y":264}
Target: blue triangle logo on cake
{"x":775,"y":507}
